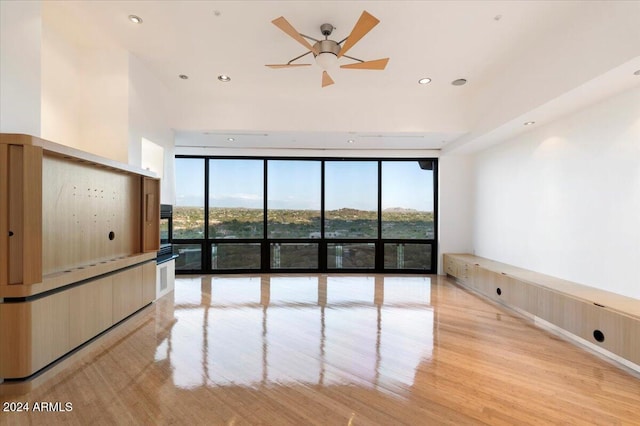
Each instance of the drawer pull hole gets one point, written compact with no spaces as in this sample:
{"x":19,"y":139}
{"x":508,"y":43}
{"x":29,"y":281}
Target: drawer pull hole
{"x":499,"y":291}
{"x":598,"y":335}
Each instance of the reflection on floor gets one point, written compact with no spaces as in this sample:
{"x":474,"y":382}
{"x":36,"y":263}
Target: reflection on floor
{"x":292,"y":330}
{"x":337,"y":349}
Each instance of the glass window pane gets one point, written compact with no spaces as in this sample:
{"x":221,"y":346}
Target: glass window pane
{"x":189,"y":256}
{"x":188,"y":215}
{"x":407,"y":200}
{"x":294,"y":255}
{"x":351,"y":255}
{"x":293,"y":199}
{"x":351,"y":199}
{"x":236,"y":206}
{"x":407,"y":256}
{"x":235,"y":256}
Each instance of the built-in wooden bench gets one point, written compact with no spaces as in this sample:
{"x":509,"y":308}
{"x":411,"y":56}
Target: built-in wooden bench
{"x":600,"y":319}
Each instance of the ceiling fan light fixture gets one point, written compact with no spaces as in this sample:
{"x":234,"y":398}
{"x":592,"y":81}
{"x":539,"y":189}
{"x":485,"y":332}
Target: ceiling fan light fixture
{"x":327,"y":57}
{"x":326,"y":60}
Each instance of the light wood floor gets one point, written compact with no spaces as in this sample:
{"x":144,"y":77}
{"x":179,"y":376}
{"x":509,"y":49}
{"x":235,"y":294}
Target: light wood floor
{"x":331,"y":350}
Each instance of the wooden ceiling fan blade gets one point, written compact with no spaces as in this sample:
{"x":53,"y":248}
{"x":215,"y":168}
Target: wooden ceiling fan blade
{"x":285,"y":26}
{"x":276,"y":66}
{"x":377,"y":64}
{"x":326,"y":79}
{"x":365,"y":24}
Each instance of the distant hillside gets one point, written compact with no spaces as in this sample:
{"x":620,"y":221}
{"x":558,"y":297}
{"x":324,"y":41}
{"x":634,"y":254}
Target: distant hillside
{"x":399,"y":210}
{"x":227,"y":222}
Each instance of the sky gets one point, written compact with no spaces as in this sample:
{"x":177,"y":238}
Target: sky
{"x":295,"y":184}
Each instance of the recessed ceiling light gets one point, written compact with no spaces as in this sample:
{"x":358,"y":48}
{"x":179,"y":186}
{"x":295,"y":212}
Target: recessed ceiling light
{"x":459,"y":82}
{"x":224,"y":78}
{"x":637,"y":72}
{"x":183,"y":76}
{"x":424,"y":81}
{"x":529,"y":123}
{"x":135,"y":19}
{"x":230,"y":139}
{"x":350,"y":141}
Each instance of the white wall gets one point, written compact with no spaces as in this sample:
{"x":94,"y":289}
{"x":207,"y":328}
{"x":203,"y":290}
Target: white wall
{"x":564,"y":199}
{"x":148,"y":119}
{"x":20,"y":45}
{"x":85,"y":92}
{"x":104,"y":86}
{"x":61,"y":92}
{"x":456,"y":204}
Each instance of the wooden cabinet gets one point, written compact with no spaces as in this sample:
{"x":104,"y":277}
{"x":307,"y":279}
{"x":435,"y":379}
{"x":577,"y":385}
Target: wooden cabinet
{"x":606,"y":320}
{"x":127,"y":293}
{"x":149,"y":279}
{"x":90,"y":310}
{"x":78,"y":241}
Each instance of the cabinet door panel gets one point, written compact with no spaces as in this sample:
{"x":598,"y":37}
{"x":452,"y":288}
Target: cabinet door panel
{"x":90,"y":310}
{"x":127,"y":293}
{"x":148,"y":282}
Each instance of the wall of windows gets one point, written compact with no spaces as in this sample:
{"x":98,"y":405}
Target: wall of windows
{"x":300,"y":215}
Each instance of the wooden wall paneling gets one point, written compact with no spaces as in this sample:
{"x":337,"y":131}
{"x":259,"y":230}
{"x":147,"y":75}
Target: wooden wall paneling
{"x":4,"y":214}
{"x":127,"y":293}
{"x":16,"y":213}
{"x":134,"y":209}
{"x":32,"y":199}
{"x":150,"y":214}
{"x":25,"y":214}
{"x":91,"y":214}
{"x":90,"y":310}
{"x":49,"y":329}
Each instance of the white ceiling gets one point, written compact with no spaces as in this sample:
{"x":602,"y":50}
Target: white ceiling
{"x":524,"y":60}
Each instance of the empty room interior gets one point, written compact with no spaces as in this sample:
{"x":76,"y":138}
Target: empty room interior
{"x":319,"y":212}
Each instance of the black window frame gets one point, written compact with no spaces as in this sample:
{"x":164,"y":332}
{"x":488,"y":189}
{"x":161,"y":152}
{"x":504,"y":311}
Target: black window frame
{"x":322,"y":242}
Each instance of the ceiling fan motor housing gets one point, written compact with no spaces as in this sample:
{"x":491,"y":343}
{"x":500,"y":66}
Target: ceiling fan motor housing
{"x":327,"y":46}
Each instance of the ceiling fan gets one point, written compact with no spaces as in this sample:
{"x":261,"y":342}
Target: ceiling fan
{"x":328,"y":52}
